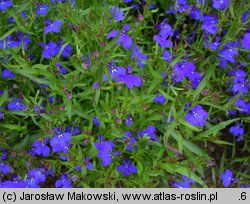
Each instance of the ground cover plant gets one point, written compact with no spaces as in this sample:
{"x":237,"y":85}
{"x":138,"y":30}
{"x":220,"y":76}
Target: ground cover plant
{"x":124,"y":93}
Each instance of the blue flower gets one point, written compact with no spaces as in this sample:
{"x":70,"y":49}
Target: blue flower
{"x":114,"y":71}
{"x":166,"y":56}
{"x":50,"y":49}
{"x":102,"y":145}
{"x":165,"y":30}
{"x":60,"y":142}
{"x":130,"y":80}
{"x":5,"y":4}
{"x":73,"y":130}
{"x":182,"y":6}
{"x":38,"y":175}
{"x":17,"y":104}
{"x":237,"y":131}
{"x":228,"y":54}
{"x":127,"y":168}
{"x":31,"y":183}
{"x":42,"y":9}
{"x":41,"y":148}
{"x":241,"y":87}
{"x":123,"y":37}
{"x":63,"y":182}
{"x":227,"y":177}
{"x":210,"y":24}
{"x":61,"y":69}
{"x":117,"y":14}
{"x":4,"y":168}
{"x":52,"y":27}
{"x":138,"y":56}
{"x":221,"y":4}
{"x":182,"y":69}
{"x":8,"y":74}
{"x":246,"y":41}
{"x":106,"y":157}
{"x":129,"y":140}
{"x":67,"y":51}
{"x":89,"y":165}
{"x":185,"y":183}
{"x":149,"y":132}
{"x":196,"y":116}
{"x":129,"y":120}
{"x":96,"y":85}
{"x":196,"y":14}
{"x":15,"y":183}
{"x":163,"y":42}
{"x":160,"y":99}
{"x":96,"y":121}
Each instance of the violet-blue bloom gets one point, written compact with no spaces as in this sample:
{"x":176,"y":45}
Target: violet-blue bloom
{"x":129,"y":120}
{"x":124,"y":38}
{"x":127,"y":168}
{"x":182,"y":69}
{"x":60,"y":141}
{"x":50,"y":49}
{"x":185,"y":183}
{"x":166,"y":56}
{"x":67,"y":51}
{"x":238,"y":131}
{"x":130,"y":80}
{"x":149,"y":131}
{"x":53,"y":27}
{"x":246,"y":41}
{"x":63,"y":182}
{"x":4,"y":168}
{"x":138,"y":56}
{"x":96,"y":121}
{"x":160,"y":99}
{"x":227,"y":177}
{"x":5,"y":4}
{"x":163,"y":42}
{"x":102,"y":145}
{"x":38,"y":175}
{"x":117,"y":14}
{"x":41,"y":148}
{"x":210,"y":24}
{"x":197,"y":116}
{"x":221,"y":4}
{"x":8,"y":74}
{"x":114,"y":71}
{"x":42,"y":9}
{"x":16,"y":104}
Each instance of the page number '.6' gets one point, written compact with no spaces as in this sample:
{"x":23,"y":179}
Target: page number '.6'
{"x":243,"y":196}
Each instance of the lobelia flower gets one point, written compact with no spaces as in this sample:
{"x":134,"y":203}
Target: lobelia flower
{"x":96,"y":121}
{"x":166,"y":56}
{"x":31,"y":183}
{"x":130,"y":79}
{"x":195,"y":78}
{"x":8,"y":74}
{"x":210,"y":24}
{"x":160,"y":99}
{"x":196,"y":116}
{"x":196,"y":14}
{"x":129,"y":120}
{"x":129,"y":140}
{"x":241,"y":87}
{"x":149,"y":132}
{"x":127,"y":168}
{"x":227,"y":177}
{"x":5,"y":4}
{"x":216,"y":44}
{"x":237,"y":131}
{"x":49,"y":50}
{"x":106,"y":157}
{"x":185,"y":183}
{"x":89,"y":165}
{"x":41,"y":148}
{"x":4,"y":168}
{"x":73,"y":130}
{"x":246,"y":41}
{"x":96,"y":85}
{"x":63,"y":182}
{"x":240,"y":75}
{"x":117,"y":14}
{"x":102,"y":145}
{"x":114,"y":71}
{"x":60,"y":68}
{"x":60,"y":141}
{"x":228,"y":54}
{"x":138,"y":56}
{"x":165,"y":29}
{"x":67,"y":51}
{"x":52,"y":27}
{"x":182,"y":6}
{"x":163,"y":42}
{"x":123,"y":37}
{"x":182,"y":69}
{"x":1,"y":115}
{"x":220,"y":4}
{"x":15,"y":183}
{"x":42,"y":9}
{"x":38,"y":175}
{"x":16,"y":104}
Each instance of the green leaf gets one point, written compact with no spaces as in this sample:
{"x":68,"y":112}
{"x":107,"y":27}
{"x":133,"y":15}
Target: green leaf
{"x":215,"y":129}
{"x":3,"y":97}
